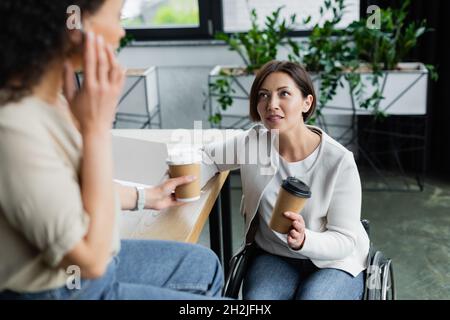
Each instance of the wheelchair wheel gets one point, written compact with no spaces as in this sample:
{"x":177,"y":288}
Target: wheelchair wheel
{"x":379,"y":278}
{"x":387,"y":285}
{"x":374,"y":277}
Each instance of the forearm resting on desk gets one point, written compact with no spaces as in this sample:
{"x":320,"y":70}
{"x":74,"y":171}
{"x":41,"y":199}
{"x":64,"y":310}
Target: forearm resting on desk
{"x":129,"y":196}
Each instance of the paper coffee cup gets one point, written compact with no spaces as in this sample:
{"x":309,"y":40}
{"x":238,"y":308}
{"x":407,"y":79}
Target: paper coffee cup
{"x":185,"y":162}
{"x":292,"y":196}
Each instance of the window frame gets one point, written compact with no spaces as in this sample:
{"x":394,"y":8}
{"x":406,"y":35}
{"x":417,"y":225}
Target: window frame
{"x":211,"y":22}
{"x":209,"y":17}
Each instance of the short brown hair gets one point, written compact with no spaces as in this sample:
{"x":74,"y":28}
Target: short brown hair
{"x":295,"y":71}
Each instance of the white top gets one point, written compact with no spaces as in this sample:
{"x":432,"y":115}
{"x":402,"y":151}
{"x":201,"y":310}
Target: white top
{"x":266,"y":238}
{"x":334,"y":235}
{"x":41,"y":209}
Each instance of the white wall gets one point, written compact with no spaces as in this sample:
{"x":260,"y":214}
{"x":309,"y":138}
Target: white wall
{"x":183,"y":70}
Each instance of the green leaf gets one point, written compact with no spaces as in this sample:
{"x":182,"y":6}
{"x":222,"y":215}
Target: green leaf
{"x":307,"y":20}
{"x":215,"y":119}
{"x":221,"y":36}
{"x":420,"y":31}
{"x":432,"y":72}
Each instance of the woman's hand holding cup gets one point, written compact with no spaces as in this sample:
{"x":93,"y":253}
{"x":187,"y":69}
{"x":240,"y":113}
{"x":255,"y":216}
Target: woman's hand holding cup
{"x":163,"y":196}
{"x":296,"y":236}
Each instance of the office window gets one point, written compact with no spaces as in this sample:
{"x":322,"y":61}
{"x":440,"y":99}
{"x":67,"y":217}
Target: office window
{"x":201,"y":19}
{"x":169,"y":19}
{"x":236,"y":12}
{"x":161,"y":14}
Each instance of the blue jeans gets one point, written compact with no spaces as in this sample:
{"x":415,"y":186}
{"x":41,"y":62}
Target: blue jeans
{"x":147,"y":270}
{"x":271,"y":277}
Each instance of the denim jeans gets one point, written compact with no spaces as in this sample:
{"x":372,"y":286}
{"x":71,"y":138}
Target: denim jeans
{"x":147,"y":270}
{"x":271,"y":277}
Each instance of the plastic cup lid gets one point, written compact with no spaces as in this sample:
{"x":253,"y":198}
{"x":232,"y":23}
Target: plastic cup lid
{"x":180,"y":156}
{"x":296,"y":187}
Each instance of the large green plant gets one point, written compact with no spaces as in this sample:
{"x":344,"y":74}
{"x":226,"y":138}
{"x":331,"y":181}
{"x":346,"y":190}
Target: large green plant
{"x":260,"y":45}
{"x":256,"y":47}
{"x":327,"y":53}
{"x":384,"y":47}
{"x":337,"y":54}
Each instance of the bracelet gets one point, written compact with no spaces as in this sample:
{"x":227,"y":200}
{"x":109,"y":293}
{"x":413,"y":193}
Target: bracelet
{"x":140,"y":199}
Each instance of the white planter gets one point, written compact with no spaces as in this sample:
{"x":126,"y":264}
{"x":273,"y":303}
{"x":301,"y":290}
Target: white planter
{"x":139,"y":102}
{"x":404,"y":92}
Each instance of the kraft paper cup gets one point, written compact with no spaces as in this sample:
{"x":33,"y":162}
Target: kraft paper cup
{"x":186,"y":162}
{"x":292,"y":196}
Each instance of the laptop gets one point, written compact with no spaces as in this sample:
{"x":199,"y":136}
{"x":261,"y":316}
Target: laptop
{"x":139,"y":162}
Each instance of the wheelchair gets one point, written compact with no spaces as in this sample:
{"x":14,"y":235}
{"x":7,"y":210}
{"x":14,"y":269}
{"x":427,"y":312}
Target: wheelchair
{"x":379,"y":275}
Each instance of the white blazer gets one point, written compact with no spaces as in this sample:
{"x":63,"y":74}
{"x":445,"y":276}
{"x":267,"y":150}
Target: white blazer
{"x":334,"y":236}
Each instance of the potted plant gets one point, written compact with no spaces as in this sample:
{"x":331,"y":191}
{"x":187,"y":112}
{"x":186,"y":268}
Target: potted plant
{"x":356,"y":70}
{"x":367,"y":63}
{"x":359,"y":70}
{"x":228,"y":85}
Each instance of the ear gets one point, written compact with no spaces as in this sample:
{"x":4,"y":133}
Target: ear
{"x":76,"y":34}
{"x":75,"y":38}
{"x":307,"y":103}
{"x":74,"y":53}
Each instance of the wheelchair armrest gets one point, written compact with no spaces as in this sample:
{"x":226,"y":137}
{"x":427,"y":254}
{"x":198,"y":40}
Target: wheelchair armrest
{"x":366,"y":225}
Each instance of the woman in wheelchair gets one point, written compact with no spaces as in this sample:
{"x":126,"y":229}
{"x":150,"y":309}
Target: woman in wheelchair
{"x":324,"y":254}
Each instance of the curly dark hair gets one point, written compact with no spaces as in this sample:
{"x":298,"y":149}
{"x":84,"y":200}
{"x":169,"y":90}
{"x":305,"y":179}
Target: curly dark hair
{"x":32,"y":34}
